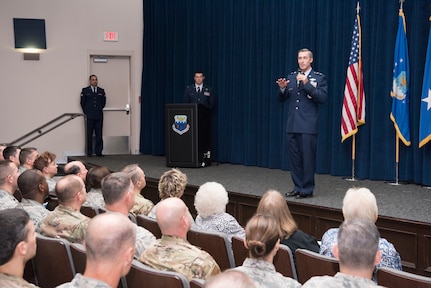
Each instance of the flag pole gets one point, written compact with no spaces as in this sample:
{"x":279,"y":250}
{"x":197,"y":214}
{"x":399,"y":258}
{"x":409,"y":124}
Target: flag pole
{"x":353,"y":159}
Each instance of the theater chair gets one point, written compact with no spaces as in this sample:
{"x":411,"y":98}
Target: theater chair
{"x":309,"y":264}
{"x":283,"y":260}
{"x":394,"y":278}
{"x":198,"y":283}
{"x":150,"y":224}
{"x":216,"y":244}
{"x":89,"y":211}
{"x":53,"y":261}
{"x":143,"y":276}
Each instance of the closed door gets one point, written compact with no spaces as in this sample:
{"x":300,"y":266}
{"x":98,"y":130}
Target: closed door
{"x":113,"y":73}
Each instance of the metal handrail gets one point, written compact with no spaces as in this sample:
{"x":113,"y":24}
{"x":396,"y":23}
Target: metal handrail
{"x":39,"y":131}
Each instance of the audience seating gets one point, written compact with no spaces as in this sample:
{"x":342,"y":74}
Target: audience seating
{"x":78,"y":256}
{"x":29,"y":272}
{"x":89,"y":211}
{"x":143,"y":276}
{"x":216,"y":244}
{"x":283,"y":260}
{"x":132,"y":217}
{"x":53,"y":261}
{"x":199,"y":283}
{"x":150,"y":224}
{"x":309,"y":264}
{"x":394,"y":278}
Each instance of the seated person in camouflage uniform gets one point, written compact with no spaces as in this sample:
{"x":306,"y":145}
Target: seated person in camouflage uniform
{"x":229,"y":278}
{"x":137,"y":175}
{"x":27,"y":156}
{"x":173,"y":252}
{"x":117,"y":189}
{"x":17,"y":246}
{"x":77,"y":168}
{"x":262,"y":239}
{"x":66,"y":221}
{"x":8,"y":184}
{"x":110,"y":246}
{"x":34,"y":190}
{"x":358,"y":253}
{"x":94,"y":184}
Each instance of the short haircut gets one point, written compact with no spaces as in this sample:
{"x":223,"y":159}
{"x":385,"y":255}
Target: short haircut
{"x":115,"y":186}
{"x":28,"y":182}
{"x":43,"y":160}
{"x":306,"y":50}
{"x":172,"y":183}
{"x":360,"y":203}
{"x":261,"y":235}
{"x":13,"y":227}
{"x":92,"y":75}
{"x":358,"y":240}
{"x":105,"y":246}
{"x":25,"y":153}
{"x":273,"y":203}
{"x":133,"y":171}
{"x":95,"y":176}
{"x":6,"y":168}
{"x":10,"y":151}
{"x":73,"y":170}
{"x":210,"y":199}
{"x":67,"y":187}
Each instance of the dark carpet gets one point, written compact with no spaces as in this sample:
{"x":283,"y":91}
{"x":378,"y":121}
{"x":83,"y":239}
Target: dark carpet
{"x":407,"y":201}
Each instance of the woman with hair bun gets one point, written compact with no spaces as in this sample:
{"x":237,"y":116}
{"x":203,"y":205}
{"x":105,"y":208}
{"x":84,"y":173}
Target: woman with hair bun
{"x":262,"y":239}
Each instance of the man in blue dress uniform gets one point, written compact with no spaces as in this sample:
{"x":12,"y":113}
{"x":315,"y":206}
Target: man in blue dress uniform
{"x":304,"y":90}
{"x":93,"y":100}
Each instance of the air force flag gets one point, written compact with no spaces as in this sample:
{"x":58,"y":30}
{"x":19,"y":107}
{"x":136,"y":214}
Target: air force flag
{"x":425,"y":120}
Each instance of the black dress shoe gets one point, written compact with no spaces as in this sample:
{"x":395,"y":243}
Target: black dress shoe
{"x":303,"y":195}
{"x":99,"y":155}
{"x":292,"y":193}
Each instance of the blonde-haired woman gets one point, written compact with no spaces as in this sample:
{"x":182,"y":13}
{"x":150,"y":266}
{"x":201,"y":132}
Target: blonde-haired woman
{"x":274,"y":204}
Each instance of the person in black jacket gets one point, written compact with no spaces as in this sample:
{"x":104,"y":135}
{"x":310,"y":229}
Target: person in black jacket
{"x":93,"y":100}
{"x":273,"y":203}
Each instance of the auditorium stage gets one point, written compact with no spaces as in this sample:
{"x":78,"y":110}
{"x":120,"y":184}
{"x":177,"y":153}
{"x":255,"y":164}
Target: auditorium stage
{"x":409,"y":202}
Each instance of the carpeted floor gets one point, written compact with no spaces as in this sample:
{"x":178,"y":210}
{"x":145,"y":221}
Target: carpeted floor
{"x":407,"y":201}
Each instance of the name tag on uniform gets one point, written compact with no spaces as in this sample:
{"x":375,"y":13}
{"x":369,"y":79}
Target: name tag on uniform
{"x":207,"y":94}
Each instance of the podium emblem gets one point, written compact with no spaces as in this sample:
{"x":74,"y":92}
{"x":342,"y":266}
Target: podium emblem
{"x":180,"y":125}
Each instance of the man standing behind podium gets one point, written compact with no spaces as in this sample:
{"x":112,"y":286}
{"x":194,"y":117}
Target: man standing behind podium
{"x":93,"y":100}
{"x":199,"y":92}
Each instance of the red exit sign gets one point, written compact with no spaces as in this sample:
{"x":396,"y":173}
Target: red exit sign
{"x":110,"y":36}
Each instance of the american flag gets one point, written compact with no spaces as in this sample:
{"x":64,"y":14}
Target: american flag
{"x":353,"y":112}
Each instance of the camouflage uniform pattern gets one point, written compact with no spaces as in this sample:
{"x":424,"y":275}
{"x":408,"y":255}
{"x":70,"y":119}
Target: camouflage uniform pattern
{"x":7,"y":201}
{"x":144,"y":239}
{"x":36,"y":211}
{"x":65,"y":222}
{"x":340,"y":280}
{"x":141,"y":206}
{"x":264,"y":275}
{"x":81,"y":281}
{"x":175,"y":254}
{"x":51,"y":186}
{"x":95,"y":199}
{"x":11,"y":281}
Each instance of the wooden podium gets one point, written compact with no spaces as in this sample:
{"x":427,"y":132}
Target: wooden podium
{"x":188,"y":135}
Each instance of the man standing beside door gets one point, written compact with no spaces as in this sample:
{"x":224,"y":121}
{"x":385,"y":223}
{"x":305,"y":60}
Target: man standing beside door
{"x":93,"y":100}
